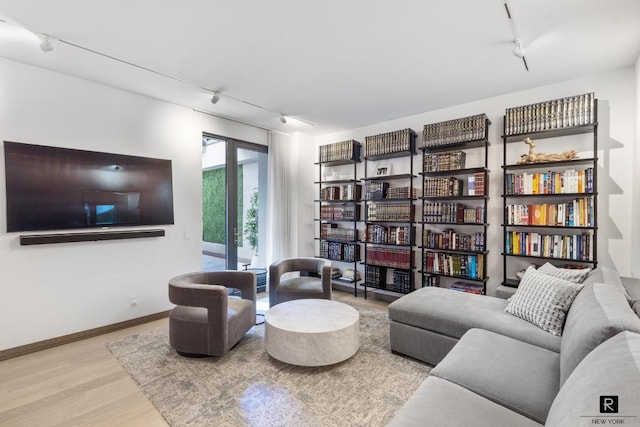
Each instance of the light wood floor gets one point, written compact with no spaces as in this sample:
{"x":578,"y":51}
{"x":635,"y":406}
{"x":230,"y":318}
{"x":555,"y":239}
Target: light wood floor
{"x":81,"y":384}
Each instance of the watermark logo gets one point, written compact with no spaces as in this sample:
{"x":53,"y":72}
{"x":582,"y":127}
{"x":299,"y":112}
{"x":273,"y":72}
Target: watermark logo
{"x":608,"y":404}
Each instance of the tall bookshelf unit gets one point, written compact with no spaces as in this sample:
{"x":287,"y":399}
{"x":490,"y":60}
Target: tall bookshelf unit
{"x":339,"y":207}
{"x":454,"y":203}
{"x":550,"y":207}
{"x":389,"y":234}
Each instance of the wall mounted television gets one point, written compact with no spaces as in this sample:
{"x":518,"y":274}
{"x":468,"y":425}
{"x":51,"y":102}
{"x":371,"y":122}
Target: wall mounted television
{"x":52,"y":188}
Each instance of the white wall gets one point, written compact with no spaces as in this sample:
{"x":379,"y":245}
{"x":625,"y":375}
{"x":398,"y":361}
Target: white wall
{"x":53,"y":290}
{"x":617,"y":117}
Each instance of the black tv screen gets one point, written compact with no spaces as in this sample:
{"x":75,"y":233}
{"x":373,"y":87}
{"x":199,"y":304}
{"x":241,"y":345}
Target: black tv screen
{"x":51,"y":188}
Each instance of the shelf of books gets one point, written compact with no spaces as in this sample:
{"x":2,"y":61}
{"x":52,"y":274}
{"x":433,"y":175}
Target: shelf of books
{"x":389,"y":212}
{"x":454,"y":203}
{"x":550,"y":196}
{"x":339,"y":210}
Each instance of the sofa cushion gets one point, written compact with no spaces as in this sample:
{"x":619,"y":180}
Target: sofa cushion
{"x":612,"y":369}
{"x":575,"y":275}
{"x":438,"y":402}
{"x":608,"y":275}
{"x":453,"y":313}
{"x":599,"y":312}
{"x":543,"y":300}
{"x":525,"y":379}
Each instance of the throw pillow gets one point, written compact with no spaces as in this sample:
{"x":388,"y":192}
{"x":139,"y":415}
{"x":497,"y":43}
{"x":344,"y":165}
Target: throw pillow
{"x":543,"y":300}
{"x":575,"y":275}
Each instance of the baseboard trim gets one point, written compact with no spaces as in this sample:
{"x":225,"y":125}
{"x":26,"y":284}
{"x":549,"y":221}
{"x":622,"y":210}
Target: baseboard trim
{"x":77,"y":336}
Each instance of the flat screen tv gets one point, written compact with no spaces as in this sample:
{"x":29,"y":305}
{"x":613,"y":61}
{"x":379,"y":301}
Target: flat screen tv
{"x":51,"y":188}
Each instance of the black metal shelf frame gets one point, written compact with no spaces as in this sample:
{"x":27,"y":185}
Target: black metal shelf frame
{"x":590,"y":128}
{"x":483,"y":144}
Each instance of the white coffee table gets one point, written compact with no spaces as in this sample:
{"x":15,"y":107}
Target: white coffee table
{"x":312,"y":332}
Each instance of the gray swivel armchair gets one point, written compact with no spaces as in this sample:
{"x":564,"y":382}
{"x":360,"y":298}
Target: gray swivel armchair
{"x":206,"y":320}
{"x":304,"y":286}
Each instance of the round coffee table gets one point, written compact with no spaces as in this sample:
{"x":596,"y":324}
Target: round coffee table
{"x":312,"y":332}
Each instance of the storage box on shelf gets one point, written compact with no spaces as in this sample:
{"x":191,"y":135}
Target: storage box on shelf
{"x":549,"y":198}
{"x":339,"y":208}
{"x":454,"y":202}
{"x":389,"y":213}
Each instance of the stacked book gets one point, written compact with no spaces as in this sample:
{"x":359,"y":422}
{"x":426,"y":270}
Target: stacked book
{"x":390,"y":142}
{"x":388,"y":235}
{"x":375,"y":190}
{"x":401,"y":193}
{"x":374,"y":276}
{"x":341,"y":192}
{"x":345,"y":150}
{"x":476,"y":184}
{"x":388,"y":257}
{"x":574,"y":213}
{"x":551,"y":182}
{"x":470,"y":266}
{"x":332,"y":231}
{"x":576,"y":246}
{"x":398,"y":212}
{"x":340,"y":212}
{"x":560,"y":113}
{"x":456,"y":131}
{"x":339,"y":251}
{"x":451,"y":160}
{"x":402,"y":281}
{"x":442,"y":187}
{"x":451,"y":240}
{"x":472,"y":288}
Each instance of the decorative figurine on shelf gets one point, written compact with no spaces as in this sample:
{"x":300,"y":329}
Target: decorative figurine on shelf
{"x":533,"y":157}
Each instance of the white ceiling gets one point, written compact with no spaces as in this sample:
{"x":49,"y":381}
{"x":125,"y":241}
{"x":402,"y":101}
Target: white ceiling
{"x":339,"y":64}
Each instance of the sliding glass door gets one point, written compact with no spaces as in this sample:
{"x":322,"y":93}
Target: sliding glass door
{"x":234,"y":191}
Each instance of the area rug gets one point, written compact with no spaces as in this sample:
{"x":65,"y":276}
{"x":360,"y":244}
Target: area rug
{"x":247,"y":387}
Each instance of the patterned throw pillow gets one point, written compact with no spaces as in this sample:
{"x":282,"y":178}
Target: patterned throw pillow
{"x":575,"y":275}
{"x":543,"y":300}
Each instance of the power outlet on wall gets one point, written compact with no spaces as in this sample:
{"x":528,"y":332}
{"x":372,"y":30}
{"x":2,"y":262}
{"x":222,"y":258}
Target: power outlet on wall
{"x":133,"y":300}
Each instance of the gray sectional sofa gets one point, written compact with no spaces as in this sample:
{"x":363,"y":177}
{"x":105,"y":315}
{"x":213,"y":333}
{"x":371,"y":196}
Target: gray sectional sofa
{"x":495,"y":369}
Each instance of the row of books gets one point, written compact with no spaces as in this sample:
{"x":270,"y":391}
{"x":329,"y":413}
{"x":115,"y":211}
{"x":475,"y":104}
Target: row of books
{"x":574,"y":213}
{"x":548,"y":115}
{"x":375,"y":190}
{"x":339,"y":251}
{"x":443,"y":187}
{"x":438,"y":162}
{"x":455,"y":131}
{"x":575,"y":246}
{"x":330,"y":230}
{"x":399,"y":212}
{"x":381,"y":234}
{"x":375,"y":276}
{"x":402,"y":281}
{"x":471,"y":266}
{"x":551,"y":182}
{"x":341,"y":192}
{"x":401,"y":193}
{"x":451,"y":240}
{"x":390,"y":142}
{"x":472,"y":288}
{"x":476,"y":184}
{"x":453,"y":212}
{"x":344,"y":150}
{"x":340,"y":212}
{"x":389,"y":257}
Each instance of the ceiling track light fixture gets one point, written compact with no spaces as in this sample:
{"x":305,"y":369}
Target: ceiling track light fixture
{"x":46,"y":42}
{"x":47,"y":45}
{"x":518,"y":49}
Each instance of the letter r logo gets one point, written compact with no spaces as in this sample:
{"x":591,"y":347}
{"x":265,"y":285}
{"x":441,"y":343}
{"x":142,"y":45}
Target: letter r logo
{"x":608,"y":404}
